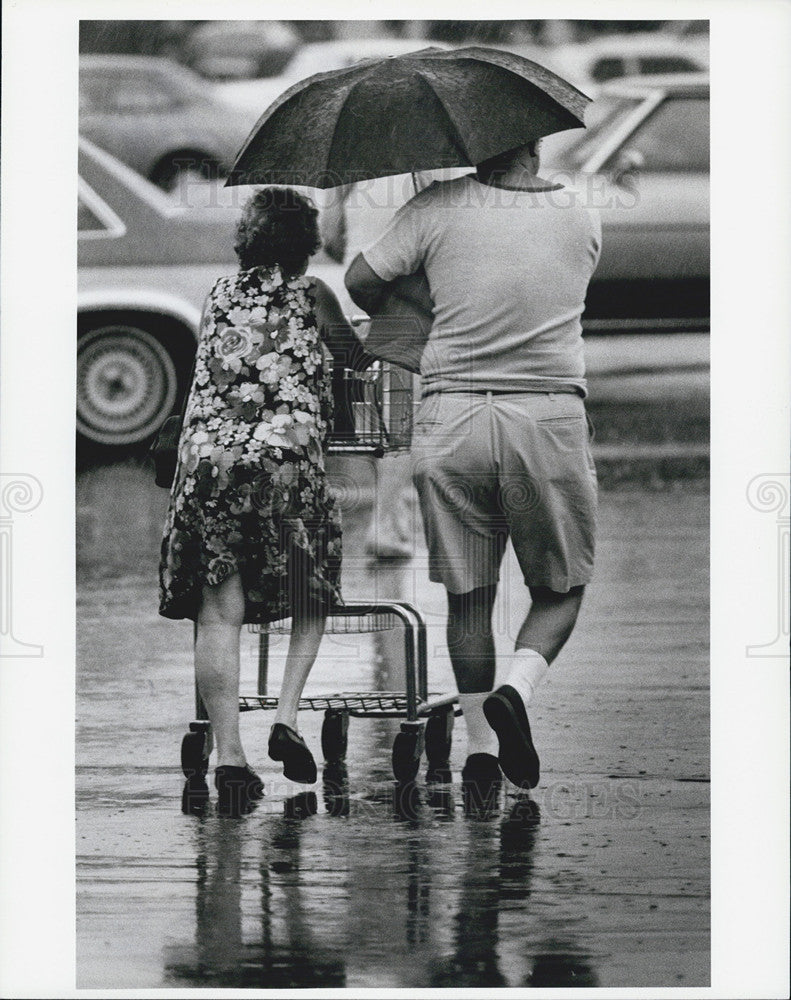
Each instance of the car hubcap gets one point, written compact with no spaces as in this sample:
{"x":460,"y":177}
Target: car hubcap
{"x":126,"y":385}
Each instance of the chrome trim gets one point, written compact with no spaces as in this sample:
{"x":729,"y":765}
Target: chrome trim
{"x":157,"y":303}
{"x":616,"y":138}
{"x":114,"y":225}
{"x":143,"y":189}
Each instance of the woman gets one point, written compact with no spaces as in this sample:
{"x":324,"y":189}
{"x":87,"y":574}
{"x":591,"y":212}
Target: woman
{"x":252,"y":532}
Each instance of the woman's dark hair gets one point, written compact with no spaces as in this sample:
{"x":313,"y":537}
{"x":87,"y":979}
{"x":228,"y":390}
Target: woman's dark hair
{"x":278,"y":226}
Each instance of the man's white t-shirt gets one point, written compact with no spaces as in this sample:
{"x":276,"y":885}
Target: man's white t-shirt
{"x":508,"y":272}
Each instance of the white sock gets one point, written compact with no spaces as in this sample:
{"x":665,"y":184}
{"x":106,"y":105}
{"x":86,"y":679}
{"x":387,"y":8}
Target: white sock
{"x":481,"y":738}
{"x":527,"y":671}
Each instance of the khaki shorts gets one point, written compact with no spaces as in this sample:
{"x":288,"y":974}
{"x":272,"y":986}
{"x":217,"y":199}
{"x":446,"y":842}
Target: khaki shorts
{"x":490,"y":466}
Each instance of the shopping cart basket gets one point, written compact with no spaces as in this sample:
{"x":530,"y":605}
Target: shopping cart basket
{"x":373,"y":411}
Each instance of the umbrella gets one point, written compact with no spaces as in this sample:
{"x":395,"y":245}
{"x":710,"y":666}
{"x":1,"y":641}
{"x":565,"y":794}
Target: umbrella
{"x":421,"y":111}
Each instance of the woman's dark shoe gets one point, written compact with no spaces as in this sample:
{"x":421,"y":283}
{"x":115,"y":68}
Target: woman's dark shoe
{"x":195,"y":795}
{"x":289,"y":747}
{"x":238,"y":789}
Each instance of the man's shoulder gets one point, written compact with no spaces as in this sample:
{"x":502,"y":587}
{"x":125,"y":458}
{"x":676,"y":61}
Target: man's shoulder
{"x":440,"y":192}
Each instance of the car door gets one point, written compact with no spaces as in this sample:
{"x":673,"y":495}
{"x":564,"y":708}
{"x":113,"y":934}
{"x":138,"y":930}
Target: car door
{"x":655,"y":208}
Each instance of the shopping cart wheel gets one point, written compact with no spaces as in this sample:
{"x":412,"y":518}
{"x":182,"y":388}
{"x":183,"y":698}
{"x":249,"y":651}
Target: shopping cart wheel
{"x":439,"y":735}
{"x":195,"y":748}
{"x":406,"y":800}
{"x":407,"y":751}
{"x":334,"y":735}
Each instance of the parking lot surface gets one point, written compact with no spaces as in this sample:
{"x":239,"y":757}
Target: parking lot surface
{"x":600,"y":878}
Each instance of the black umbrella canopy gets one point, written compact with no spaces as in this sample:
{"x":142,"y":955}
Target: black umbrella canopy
{"x":421,"y":111}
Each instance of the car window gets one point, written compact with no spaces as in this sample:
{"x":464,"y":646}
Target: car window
{"x":128,"y":92}
{"x":666,"y":64}
{"x":607,"y":69}
{"x":675,"y":137}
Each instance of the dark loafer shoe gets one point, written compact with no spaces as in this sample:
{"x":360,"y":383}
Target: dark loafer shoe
{"x":481,"y":781}
{"x":238,"y":789}
{"x":195,"y":796}
{"x":289,"y":747}
{"x":505,"y":713}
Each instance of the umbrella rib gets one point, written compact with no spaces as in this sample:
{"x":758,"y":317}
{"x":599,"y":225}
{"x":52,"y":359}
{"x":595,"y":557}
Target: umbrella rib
{"x":455,"y":135}
{"x":331,"y":143}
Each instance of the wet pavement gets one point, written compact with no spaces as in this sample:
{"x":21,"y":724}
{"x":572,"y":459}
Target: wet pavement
{"x":599,"y":878}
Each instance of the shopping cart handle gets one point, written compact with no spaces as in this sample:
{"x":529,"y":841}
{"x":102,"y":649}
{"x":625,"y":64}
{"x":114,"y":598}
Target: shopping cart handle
{"x":371,"y":374}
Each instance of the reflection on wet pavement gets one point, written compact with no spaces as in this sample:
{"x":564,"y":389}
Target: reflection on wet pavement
{"x":598,"y":878}
{"x":264,"y":916}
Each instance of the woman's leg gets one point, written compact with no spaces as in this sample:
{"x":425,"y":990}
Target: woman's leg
{"x":217,"y":665}
{"x":307,"y":628}
{"x":303,"y":647}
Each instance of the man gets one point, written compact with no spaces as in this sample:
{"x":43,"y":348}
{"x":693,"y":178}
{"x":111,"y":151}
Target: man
{"x":501,"y":441}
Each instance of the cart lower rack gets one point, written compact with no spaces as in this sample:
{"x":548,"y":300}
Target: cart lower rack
{"x":427,"y":721}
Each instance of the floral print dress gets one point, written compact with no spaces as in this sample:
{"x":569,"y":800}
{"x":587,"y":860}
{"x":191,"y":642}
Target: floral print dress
{"x":250,"y":484}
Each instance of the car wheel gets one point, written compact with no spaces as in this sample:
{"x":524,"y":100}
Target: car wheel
{"x":126,"y":384}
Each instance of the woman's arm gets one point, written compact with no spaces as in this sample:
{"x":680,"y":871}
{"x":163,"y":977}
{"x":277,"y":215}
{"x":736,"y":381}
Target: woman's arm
{"x":346,"y":348}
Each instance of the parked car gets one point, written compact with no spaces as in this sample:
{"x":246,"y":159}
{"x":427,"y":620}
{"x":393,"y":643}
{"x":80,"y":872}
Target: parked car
{"x":644,"y":162}
{"x":145,"y":266}
{"x":253,"y":97}
{"x":695,"y":35}
{"x":240,"y":50}
{"x":588,"y":65}
{"x":158,"y":117}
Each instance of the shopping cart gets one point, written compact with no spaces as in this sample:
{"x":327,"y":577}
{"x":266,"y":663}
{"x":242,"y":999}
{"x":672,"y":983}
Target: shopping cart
{"x":374,"y":411}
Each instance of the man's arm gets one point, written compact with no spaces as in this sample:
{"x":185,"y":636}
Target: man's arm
{"x":365,"y":286}
{"x":344,"y":345}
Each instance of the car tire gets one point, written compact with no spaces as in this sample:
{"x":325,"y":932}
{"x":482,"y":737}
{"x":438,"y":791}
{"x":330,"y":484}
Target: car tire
{"x":126,"y":384}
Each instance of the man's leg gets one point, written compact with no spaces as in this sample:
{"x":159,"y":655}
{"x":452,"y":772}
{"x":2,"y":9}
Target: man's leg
{"x":545,"y":631}
{"x":471,"y":648}
{"x":470,"y":639}
{"x":549,"y":623}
